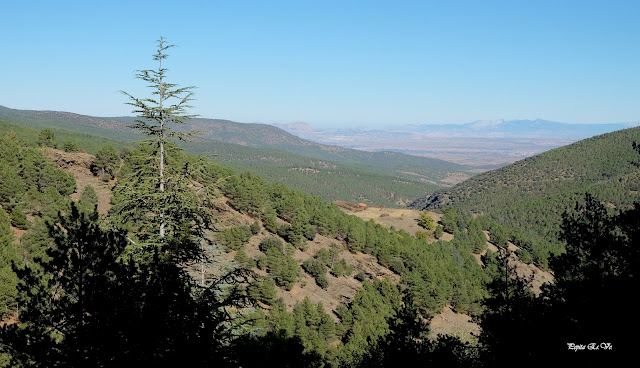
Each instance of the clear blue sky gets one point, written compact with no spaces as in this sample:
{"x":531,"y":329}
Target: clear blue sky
{"x":332,"y":63}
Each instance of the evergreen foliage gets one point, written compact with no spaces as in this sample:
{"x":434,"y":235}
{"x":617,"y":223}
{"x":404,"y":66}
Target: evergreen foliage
{"x":437,"y":233}
{"x":8,"y":279}
{"x":88,"y":201}
{"x":146,"y":314}
{"x":235,"y":237}
{"x":18,"y":218}
{"x":137,"y":203}
{"x":436,"y":274}
{"x":159,"y":196}
{"x":317,"y":269}
{"x":106,"y":162}
{"x":70,"y":146}
{"x":243,"y":260}
{"x":271,"y":242}
{"x":426,"y":221}
{"x":341,"y":268}
{"x":281,"y":267}
{"x":263,"y":290}
{"x":46,"y":138}
{"x":529,"y":197}
{"x":450,"y":220}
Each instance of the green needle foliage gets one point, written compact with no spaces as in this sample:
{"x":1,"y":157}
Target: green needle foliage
{"x":105,"y":162}
{"x":46,"y":138}
{"x":157,"y":114}
{"x":156,"y":196}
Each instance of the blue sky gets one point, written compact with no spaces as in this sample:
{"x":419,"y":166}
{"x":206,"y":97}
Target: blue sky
{"x":332,"y":63}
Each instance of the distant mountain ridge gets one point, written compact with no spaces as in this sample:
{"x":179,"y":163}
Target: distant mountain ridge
{"x":485,"y":143}
{"x":271,"y":137}
{"x":537,"y":128}
{"x":333,"y":172}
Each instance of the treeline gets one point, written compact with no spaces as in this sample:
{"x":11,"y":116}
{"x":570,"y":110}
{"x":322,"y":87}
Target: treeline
{"x":67,"y":140}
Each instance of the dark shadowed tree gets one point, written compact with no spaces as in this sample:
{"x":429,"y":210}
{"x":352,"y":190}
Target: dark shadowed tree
{"x":106,"y":162}
{"x":84,"y":305}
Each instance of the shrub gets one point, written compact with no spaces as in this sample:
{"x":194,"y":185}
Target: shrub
{"x":271,"y":242}
{"x":18,"y":218}
{"x":255,"y":227}
{"x":342,"y":268}
{"x":70,"y":146}
{"x":426,"y":221}
{"x":318,"y":270}
{"x":438,"y":232}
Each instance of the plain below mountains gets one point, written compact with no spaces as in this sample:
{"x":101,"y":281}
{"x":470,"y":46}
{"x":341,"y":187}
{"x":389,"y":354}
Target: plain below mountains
{"x":492,"y":143}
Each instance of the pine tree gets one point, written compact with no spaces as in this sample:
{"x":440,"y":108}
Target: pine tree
{"x":158,"y":114}
{"x":70,"y":146}
{"x":88,"y":199}
{"x":105,"y":162}
{"x":46,"y":138}
{"x":426,"y":221}
{"x":156,"y":193}
{"x":8,"y":254}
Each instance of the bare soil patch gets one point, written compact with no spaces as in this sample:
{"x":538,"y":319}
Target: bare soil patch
{"x":534,"y":276}
{"x":79,"y":165}
{"x":400,"y":219}
{"x":448,"y":322}
{"x":340,"y":291}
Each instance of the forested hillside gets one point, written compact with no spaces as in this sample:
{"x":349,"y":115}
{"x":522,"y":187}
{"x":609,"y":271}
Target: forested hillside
{"x":35,"y":193}
{"x":335,"y":173}
{"x":530,"y":196}
{"x":262,"y":243}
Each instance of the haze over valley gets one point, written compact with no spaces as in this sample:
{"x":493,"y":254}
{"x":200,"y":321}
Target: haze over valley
{"x":486,"y":144}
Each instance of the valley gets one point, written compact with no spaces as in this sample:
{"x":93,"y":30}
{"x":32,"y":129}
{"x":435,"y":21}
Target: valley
{"x":303,"y":253}
{"x":332,"y":172}
{"x":484,"y":144}
{"x":334,"y":257}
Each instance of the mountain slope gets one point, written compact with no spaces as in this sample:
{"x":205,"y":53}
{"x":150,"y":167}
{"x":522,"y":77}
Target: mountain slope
{"x":588,"y":163}
{"x":335,"y":173}
{"x":268,"y":136}
{"x":530,"y":195}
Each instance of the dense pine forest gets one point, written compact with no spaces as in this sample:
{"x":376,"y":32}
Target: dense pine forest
{"x":165,"y":258}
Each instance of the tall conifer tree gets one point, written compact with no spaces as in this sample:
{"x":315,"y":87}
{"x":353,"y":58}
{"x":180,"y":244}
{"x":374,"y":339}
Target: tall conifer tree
{"x":158,"y":196}
{"x":156,"y":114}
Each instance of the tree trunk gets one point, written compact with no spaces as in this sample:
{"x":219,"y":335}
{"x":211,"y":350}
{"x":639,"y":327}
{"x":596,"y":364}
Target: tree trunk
{"x":161,"y":97}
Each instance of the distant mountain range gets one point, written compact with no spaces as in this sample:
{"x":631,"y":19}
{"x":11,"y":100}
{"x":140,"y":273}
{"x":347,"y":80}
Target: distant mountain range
{"x":490,"y":143}
{"x":523,"y":129}
{"x":478,"y":129}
